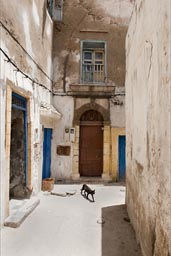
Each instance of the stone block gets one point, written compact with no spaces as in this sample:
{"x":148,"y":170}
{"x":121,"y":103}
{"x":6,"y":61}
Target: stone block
{"x":76,"y":146}
{"x":76,"y":152}
{"x":19,"y":212}
{"x":106,"y":150}
{"x":106,"y":164}
{"x":106,"y":134}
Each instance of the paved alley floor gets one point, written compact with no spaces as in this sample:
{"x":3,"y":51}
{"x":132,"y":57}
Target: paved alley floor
{"x":74,"y":226}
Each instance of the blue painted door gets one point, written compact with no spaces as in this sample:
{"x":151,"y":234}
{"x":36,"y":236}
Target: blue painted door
{"x":122,"y":157}
{"x":47,"y":153}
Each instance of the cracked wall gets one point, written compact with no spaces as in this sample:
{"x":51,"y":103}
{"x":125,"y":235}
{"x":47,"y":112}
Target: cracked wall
{"x":24,"y":43}
{"x":92,"y":20}
{"x":88,"y":20}
{"x":148,"y":125}
{"x":26,"y":69}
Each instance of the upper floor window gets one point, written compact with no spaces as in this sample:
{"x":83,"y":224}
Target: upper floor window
{"x":55,"y":8}
{"x":93,"y":62}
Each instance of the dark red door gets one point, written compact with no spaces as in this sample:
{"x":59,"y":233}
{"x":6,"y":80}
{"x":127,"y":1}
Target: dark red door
{"x":91,"y":150}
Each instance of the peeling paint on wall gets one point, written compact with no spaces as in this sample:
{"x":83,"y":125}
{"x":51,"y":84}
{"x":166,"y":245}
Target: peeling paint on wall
{"x":28,"y":41}
{"x":148,"y":125}
{"x":95,"y":21}
{"x":26,"y":29}
{"x":75,"y":56}
{"x":26,"y":68}
{"x":117,"y":8}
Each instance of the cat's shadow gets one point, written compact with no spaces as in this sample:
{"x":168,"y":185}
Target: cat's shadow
{"x":88,"y":199}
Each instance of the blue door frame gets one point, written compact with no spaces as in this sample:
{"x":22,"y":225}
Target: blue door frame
{"x":122,"y":157}
{"x":20,"y":103}
{"x":47,"y":153}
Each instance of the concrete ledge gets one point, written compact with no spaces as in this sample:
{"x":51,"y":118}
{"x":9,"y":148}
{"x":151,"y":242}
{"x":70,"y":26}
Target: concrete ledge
{"x":19,"y":210}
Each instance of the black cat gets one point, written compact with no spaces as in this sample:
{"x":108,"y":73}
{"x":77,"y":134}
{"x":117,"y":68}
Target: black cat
{"x":87,"y":191}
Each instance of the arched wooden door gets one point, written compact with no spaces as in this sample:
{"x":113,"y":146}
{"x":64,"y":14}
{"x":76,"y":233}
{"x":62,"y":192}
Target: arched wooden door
{"x":91,"y":144}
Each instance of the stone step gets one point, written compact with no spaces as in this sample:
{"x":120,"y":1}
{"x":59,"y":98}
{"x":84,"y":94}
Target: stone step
{"x":19,"y":210}
{"x":82,"y":180}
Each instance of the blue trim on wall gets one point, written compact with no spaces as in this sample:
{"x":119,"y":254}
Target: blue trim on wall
{"x":22,"y":101}
{"x":18,"y":107}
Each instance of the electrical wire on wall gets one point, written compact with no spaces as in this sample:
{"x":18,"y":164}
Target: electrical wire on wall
{"x":24,"y":50}
{"x":26,"y":76}
{"x":17,"y":69}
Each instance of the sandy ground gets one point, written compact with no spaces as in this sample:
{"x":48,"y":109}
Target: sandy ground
{"x":74,"y":226}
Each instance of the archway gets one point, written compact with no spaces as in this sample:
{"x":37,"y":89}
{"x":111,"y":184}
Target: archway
{"x":91,"y":144}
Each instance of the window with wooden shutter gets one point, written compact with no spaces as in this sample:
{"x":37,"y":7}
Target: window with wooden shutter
{"x":93,"y":62}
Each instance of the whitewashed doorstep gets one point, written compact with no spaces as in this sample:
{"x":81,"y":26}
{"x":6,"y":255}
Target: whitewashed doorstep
{"x":19,"y":210}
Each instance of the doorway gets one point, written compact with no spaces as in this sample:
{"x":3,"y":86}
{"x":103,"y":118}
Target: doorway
{"x":91,"y":144}
{"x":18,"y":147}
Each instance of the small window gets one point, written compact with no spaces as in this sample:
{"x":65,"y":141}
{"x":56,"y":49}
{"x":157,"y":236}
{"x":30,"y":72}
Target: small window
{"x":93,"y":62}
{"x":99,"y":55}
{"x":87,"y":56}
{"x":55,"y":8}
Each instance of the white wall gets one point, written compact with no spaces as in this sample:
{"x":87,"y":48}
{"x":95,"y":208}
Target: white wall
{"x":115,"y":8}
{"x":3,"y":174}
{"x":148,"y":125}
{"x":26,"y":39}
{"x":61,"y":166}
{"x":117,"y":108}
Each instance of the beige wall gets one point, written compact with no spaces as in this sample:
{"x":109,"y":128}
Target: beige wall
{"x":61,"y":166}
{"x":67,"y":167}
{"x":148,"y":125}
{"x":90,"y":20}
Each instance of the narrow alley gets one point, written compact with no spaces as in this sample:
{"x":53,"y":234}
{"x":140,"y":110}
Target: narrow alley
{"x":85,"y":98}
{"x":74,"y":226}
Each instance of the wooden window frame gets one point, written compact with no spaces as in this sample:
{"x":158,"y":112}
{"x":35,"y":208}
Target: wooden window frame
{"x":94,"y":51}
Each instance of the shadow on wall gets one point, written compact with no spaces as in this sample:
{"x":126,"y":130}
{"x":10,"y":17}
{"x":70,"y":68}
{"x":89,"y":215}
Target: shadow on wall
{"x":118,"y":238}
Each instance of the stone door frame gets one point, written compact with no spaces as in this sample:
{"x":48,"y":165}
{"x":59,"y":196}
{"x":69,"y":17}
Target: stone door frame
{"x":106,"y":139}
{"x":11,"y":88}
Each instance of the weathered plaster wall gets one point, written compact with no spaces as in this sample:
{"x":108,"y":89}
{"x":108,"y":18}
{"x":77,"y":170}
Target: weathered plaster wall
{"x":67,"y":167}
{"x":117,"y":108}
{"x":93,"y":20}
{"x":148,"y":125}
{"x":26,"y":40}
{"x":120,"y":10}
{"x":36,"y":42}
{"x":89,"y":20}
{"x":61,"y":166}
{"x":30,"y":49}
{"x":2,"y":150}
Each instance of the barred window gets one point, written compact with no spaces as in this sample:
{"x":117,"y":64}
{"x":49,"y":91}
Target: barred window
{"x":93,"y":62}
